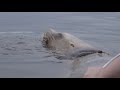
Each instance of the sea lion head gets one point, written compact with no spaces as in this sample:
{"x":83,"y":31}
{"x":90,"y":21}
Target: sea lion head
{"x":61,"y":41}
{"x":66,"y":43}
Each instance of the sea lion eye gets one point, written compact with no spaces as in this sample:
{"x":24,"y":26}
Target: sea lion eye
{"x":72,"y":45}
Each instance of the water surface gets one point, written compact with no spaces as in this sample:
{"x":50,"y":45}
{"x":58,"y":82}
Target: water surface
{"x":21,"y":52}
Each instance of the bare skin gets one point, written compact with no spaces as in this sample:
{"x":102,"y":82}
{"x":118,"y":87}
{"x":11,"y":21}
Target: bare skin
{"x":110,"y":71}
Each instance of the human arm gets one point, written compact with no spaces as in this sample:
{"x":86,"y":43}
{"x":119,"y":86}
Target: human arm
{"x":112,"y":70}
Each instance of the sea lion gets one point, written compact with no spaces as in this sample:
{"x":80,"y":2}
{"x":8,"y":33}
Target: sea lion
{"x":66,"y":46}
